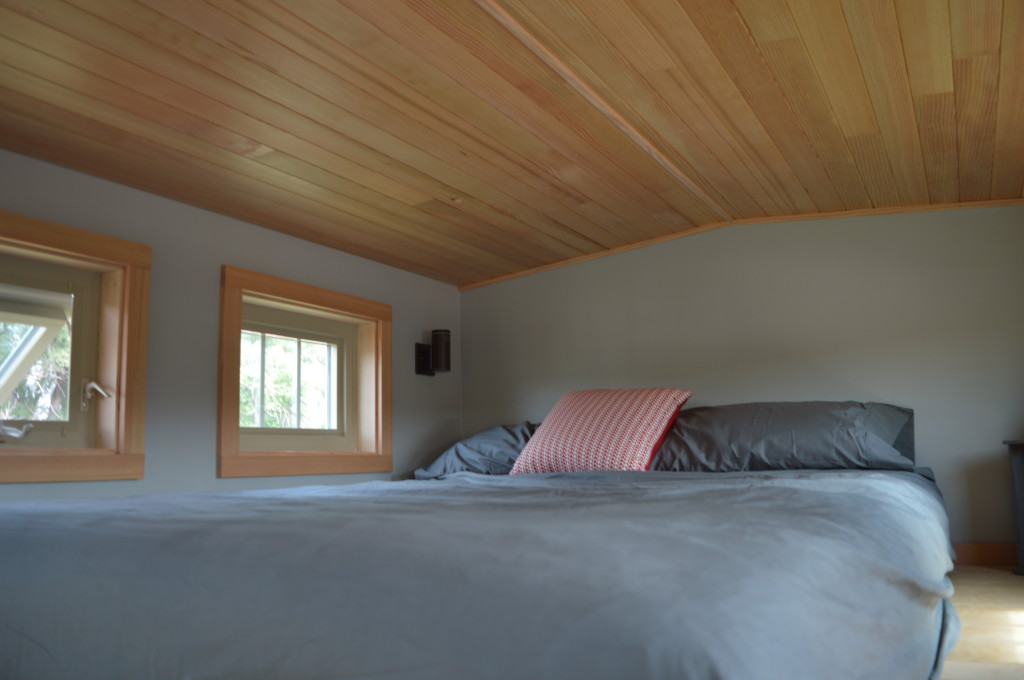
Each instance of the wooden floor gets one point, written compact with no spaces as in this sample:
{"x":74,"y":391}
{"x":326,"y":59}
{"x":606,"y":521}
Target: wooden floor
{"x":991,"y":605}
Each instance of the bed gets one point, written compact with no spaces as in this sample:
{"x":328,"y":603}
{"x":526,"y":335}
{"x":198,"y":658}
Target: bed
{"x":471,"y":572}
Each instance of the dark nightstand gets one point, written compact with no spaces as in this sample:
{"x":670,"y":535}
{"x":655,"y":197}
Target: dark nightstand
{"x":1017,"y":473}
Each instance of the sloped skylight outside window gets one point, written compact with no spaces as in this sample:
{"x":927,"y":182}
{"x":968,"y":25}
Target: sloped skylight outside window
{"x":35,"y":354}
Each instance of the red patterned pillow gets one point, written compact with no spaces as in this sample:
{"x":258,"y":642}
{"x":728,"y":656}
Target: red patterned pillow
{"x":602,"y":430}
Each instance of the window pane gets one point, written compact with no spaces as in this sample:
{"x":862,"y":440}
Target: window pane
{"x":280,"y":381}
{"x":250,"y":382}
{"x":42,"y":395}
{"x":11,"y":335}
{"x":318,"y":400}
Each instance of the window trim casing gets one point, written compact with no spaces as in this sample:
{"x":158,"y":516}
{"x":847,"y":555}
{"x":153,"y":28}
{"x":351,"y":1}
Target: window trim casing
{"x":119,"y":442}
{"x":374,"y":454}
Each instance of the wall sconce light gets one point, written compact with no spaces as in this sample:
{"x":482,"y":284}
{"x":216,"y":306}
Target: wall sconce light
{"x":437,"y":356}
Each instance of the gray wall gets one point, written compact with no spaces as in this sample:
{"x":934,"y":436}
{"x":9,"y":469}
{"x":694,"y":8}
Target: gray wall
{"x":189,"y":247}
{"x":921,"y":309}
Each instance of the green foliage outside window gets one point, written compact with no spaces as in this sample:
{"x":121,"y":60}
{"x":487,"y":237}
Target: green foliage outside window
{"x":291,"y":379}
{"x":43,"y":393}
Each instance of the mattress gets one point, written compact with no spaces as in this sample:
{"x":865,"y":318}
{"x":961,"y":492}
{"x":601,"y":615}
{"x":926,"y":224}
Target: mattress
{"x":689,"y":576}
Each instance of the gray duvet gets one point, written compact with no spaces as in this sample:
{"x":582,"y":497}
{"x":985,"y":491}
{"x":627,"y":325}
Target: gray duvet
{"x":739,"y":576}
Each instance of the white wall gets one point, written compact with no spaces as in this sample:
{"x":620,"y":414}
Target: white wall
{"x":922,"y":309}
{"x":189,"y":247}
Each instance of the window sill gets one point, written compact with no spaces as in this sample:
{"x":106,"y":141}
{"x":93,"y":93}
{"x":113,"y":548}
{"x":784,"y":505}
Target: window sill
{"x":68,"y":465}
{"x":273,"y":464}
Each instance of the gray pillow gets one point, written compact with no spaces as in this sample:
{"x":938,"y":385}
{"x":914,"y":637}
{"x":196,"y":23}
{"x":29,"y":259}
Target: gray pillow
{"x":824,"y":435}
{"x":491,"y":452}
{"x":894,"y":424}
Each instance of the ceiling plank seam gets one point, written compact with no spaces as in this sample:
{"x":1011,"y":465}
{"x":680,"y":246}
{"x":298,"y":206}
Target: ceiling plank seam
{"x":523,"y":35}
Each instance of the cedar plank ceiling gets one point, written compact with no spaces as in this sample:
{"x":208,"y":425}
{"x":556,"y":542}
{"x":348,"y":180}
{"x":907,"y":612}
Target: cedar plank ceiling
{"x":472,"y":140}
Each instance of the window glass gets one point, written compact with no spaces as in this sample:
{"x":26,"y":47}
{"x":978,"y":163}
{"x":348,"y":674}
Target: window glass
{"x":250,"y":380}
{"x":279,"y":382}
{"x":288,"y":382}
{"x":44,"y":391}
{"x":295,"y":378}
{"x":318,"y":388}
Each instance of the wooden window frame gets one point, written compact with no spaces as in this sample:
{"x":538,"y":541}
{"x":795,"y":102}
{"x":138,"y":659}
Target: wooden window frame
{"x":374,"y":365}
{"x":118,"y":450}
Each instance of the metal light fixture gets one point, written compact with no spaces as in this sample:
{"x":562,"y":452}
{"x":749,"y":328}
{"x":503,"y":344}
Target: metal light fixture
{"x":437,"y":356}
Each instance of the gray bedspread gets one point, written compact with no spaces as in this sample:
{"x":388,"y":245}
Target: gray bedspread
{"x":789,"y":576}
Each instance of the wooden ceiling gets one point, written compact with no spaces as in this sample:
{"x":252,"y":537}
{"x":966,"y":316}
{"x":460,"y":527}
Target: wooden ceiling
{"x":471,"y":140}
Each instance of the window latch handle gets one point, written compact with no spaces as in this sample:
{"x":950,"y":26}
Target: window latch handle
{"x":13,"y":432}
{"x":91,"y":389}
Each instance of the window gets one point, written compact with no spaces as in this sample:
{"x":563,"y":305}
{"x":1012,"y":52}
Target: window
{"x":297,"y":379}
{"x":72,"y":353}
{"x":305,"y":379}
{"x":49,"y":316}
{"x":289,"y":382}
